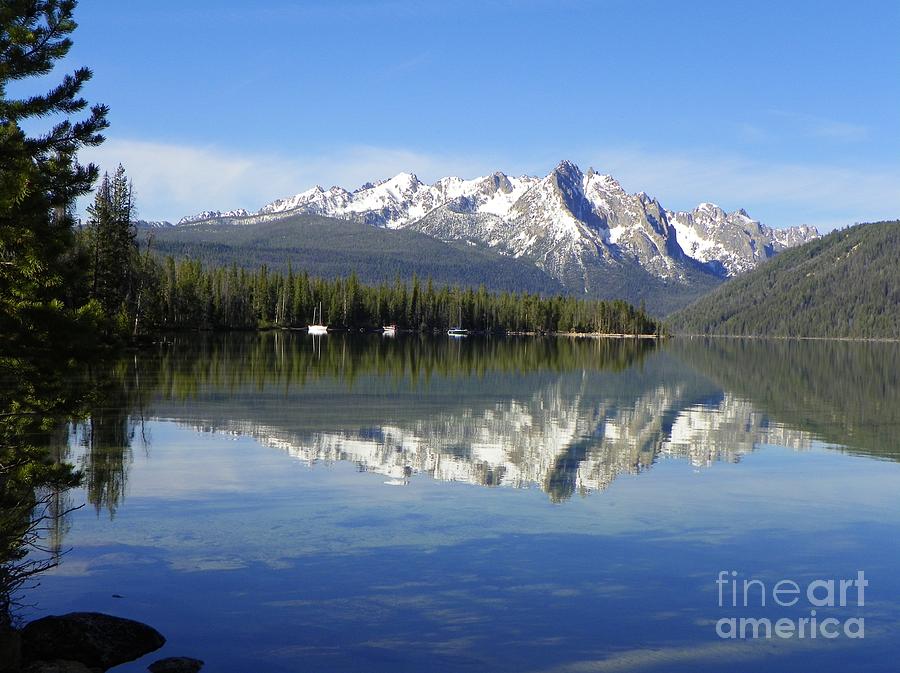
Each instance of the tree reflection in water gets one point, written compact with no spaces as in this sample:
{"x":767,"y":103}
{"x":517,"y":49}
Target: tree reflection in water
{"x":44,"y":403}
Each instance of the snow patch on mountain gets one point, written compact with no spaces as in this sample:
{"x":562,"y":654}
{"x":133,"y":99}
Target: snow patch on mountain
{"x":213,"y":215}
{"x":733,"y":242}
{"x":403,"y":198}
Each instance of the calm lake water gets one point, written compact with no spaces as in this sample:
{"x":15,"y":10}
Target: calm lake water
{"x":277,"y":503}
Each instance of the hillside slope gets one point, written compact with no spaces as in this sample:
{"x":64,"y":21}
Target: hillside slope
{"x":846,"y":284}
{"x":329,"y":247}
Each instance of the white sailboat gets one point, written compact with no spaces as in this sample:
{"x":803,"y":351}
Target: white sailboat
{"x":458,"y":331}
{"x":316,"y":328}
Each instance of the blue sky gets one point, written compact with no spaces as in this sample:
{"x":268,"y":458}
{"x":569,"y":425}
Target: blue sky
{"x":788,"y":109}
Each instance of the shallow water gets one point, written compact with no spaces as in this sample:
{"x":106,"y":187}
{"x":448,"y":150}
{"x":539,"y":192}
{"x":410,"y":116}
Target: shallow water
{"x":281,"y":503}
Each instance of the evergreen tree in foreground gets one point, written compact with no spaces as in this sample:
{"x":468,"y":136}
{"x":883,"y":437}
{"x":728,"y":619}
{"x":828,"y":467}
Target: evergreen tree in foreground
{"x":40,"y":176}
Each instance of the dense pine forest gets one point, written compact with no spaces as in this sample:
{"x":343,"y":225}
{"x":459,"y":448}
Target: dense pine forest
{"x":185,"y":295}
{"x":844,"y":285}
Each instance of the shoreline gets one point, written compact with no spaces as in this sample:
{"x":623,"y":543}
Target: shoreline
{"x":338,"y":330}
{"x":761,"y":337}
{"x":590,"y":335}
{"x":606,"y":335}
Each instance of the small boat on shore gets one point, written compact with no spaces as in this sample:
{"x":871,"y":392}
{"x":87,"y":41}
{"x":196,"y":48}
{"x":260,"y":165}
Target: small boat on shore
{"x":317,"y":328}
{"x":458,"y":331}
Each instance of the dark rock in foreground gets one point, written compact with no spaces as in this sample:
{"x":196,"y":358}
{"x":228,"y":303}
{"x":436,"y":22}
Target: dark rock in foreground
{"x":91,"y":638}
{"x":58,"y":666}
{"x":10,"y":651}
{"x":176,"y":665}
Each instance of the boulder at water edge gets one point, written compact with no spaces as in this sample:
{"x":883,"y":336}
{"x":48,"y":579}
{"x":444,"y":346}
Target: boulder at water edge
{"x":10,"y":651}
{"x":176,"y":665}
{"x":92,"y":638}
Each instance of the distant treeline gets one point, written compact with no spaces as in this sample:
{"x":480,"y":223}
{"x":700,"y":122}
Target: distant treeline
{"x":185,"y":295}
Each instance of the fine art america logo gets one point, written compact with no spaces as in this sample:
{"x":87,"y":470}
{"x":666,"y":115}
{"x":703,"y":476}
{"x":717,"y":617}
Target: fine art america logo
{"x":819,"y":601}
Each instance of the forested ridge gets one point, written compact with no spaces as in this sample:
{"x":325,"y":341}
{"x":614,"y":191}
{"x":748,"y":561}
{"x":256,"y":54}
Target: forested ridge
{"x":843,"y":285}
{"x":328,"y":247}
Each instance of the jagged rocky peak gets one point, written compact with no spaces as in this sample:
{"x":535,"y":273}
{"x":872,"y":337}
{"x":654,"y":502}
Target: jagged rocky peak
{"x":568,"y":178}
{"x":569,"y":183}
{"x":500,"y":182}
{"x":153,"y":224}
{"x":567,"y":171}
{"x":601,"y":182}
{"x":404,"y":181}
{"x":213,"y":215}
{"x":709,"y":210}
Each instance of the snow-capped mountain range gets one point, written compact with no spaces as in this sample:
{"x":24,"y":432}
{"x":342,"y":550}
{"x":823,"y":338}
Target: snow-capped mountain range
{"x":569,"y":223}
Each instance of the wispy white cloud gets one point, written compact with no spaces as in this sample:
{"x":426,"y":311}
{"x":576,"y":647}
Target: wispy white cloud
{"x":780,"y":194}
{"x":777,"y":128}
{"x":826,"y":128}
{"x":823,"y":128}
{"x":663,"y":657}
{"x":753,"y":133}
{"x":175,"y":180}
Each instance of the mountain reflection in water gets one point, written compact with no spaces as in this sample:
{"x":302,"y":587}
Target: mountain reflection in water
{"x":565,"y":415}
